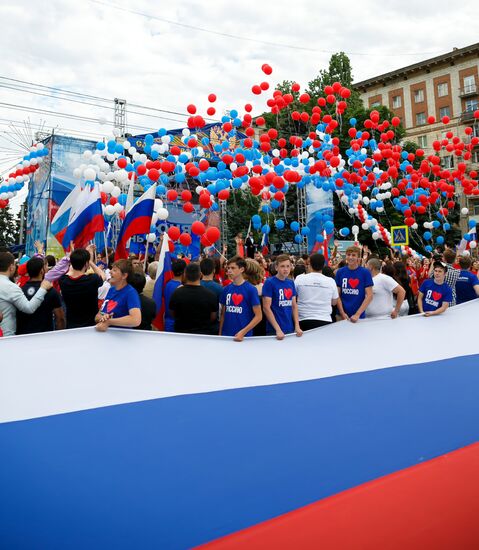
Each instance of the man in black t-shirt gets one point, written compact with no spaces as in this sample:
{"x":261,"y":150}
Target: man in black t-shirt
{"x":193,"y":307}
{"x":79,"y":290}
{"x":148,"y":306}
{"x":42,"y":319}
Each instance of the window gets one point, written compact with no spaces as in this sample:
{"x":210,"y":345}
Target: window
{"x":397,"y":102}
{"x":444,"y":111}
{"x":448,"y":161}
{"x":475,"y":130}
{"x":376,"y":104}
{"x":418,"y":96}
{"x":422,"y":141}
{"x":442,"y":89}
{"x":475,"y":209}
{"x":475,"y":158}
{"x":471,"y":105}
{"x":420,"y":119}
{"x":469,"y":84}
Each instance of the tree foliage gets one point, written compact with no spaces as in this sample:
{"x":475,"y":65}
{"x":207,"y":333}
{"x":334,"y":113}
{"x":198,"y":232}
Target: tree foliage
{"x":9,"y":227}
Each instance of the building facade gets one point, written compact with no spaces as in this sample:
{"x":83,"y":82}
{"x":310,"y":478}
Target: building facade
{"x":447,"y":85}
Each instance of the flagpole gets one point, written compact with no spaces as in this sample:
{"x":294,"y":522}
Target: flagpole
{"x":146,"y":253}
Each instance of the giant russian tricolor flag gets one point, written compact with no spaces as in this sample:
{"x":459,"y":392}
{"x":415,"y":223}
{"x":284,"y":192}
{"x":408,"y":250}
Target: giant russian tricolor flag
{"x":354,"y":436}
{"x":59,"y":223}
{"x":137,"y":221}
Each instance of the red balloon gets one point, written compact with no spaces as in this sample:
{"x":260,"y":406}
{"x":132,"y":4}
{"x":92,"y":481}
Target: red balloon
{"x":186,"y":195}
{"x":171,"y":195}
{"x":212,"y":234}
{"x":104,"y":197}
{"x":185,"y":239}
{"x":198,"y":228}
{"x":266,"y":69}
{"x":154,"y":174}
{"x":210,"y":111}
{"x":141,"y":170}
{"x":188,"y":207}
{"x":445,"y":120}
{"x":295,"y":87}
{"x":113,"y":201}
{"x":248,"y":108}
{"x":395,"y":121}
{"x":174,"y":233}
{"x":264,"y":85}
{"x":304,"y":98}
{"x":191,"y":109}
{"x":212,"y":98}
{"x":205,"y":241}
{"x":224,"y":195}
{"x":121,"y":163}
{"x":256,"y":89}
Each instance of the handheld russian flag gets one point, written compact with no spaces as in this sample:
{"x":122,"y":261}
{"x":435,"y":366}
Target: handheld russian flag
{"x":59,"y":223}
{"x":265,"y":245}
{"x":137,"y":221}
{"x":164,"y":274}
{"x":86,"y":218}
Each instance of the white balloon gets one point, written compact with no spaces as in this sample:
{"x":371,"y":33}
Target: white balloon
{"x":414,"y":226}
{"x":366,"y":200}
{"x":77,"y":173}
{"x":116,"y":191}
{"x":116,"y":132}
{"x":126,"y":144}
{"x":464,"y":211}
{"x":108,"y":186}
{"x":162,"y":214}
{"x":158,"y":204}
{"x":109,"y":210}
{"x":185,"y":132}
{"x":89,"y":174}
{"x":110,"y":157}
{"x":198,"y":189}
{"x":118,"y":207}
{"x":151,"y":237}
{"x":376,"y":235}
{"x":132,"y":150}
{"x":472,"y":244}
{"x":355,"y":229}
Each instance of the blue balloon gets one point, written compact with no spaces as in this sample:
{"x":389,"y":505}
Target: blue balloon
{"x":256,"y":219}
{"x":436,"y":224}
{"x":427,"y":235}
{"x":100,"y":146}
{"x":294,"y":226}
{"x":428,"y":248}
{"x":305,"y":231}
{"x":446,"y":226}
{"x":344,"y":231}
{"x":329,"y":227}
{"x":265,"y":229}
{"x":472,"y":224}
{"x":440,"y":239}
{"x":319,"y":238}
{"x":279,"y":224}
{"x":122,"y":199}
{"x":298,"y":239}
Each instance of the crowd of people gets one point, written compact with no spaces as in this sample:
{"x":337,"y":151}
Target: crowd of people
{"x":239,"y":297}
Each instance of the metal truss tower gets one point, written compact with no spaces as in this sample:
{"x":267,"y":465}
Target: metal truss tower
{"x":223,"y":225}
{"x":302,"y":218}
{"x":119,"y":119}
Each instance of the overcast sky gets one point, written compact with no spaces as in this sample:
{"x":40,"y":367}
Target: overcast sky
{"x":159,"y":57}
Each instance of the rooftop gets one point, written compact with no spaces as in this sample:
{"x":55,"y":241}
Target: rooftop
{"x":422,"y":65}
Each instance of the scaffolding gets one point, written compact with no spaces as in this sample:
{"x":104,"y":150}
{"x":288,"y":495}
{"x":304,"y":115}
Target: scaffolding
{"x":120,"y":115}
{"x":302,"y":218}
{"x":223,"y":226}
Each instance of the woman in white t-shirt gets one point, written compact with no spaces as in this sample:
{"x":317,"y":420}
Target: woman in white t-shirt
{"x":384,"y":290}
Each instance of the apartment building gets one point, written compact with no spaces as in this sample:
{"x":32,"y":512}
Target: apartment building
{"x":447,"y":85}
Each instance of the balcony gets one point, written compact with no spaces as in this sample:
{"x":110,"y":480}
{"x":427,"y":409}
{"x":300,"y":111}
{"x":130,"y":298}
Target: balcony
{"x":467,"y":91}
{"x":468,"y":116}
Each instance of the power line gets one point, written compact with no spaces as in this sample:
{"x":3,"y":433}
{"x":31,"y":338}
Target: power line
{"x":247,"y":39}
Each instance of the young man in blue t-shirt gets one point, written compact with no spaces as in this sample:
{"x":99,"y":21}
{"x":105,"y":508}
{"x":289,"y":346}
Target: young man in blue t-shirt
{"x":279,"y":301}
{"x":241,"y":308}
{"x":467,"y":285}
{"x":435,"y":295}
{"x":355,"y":287}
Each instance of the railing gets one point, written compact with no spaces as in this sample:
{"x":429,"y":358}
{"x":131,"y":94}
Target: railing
{"x":468,"y":115}
{"x":471,"y":89}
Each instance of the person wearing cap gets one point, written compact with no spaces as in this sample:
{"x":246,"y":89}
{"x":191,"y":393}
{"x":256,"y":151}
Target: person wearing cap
{"x":435,"y":295}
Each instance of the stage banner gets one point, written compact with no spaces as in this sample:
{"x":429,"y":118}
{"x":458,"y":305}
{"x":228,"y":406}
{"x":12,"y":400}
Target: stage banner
{"x":319,"y":203}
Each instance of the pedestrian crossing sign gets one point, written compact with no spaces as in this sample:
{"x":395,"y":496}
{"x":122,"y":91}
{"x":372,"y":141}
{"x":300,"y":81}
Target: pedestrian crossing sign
{"x":400,"y":235}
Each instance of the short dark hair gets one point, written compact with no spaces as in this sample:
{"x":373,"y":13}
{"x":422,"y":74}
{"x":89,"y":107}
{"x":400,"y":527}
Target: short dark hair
{"x":178,"y":267}
{"x":465,"y":262}
{"x":50,"y":260}
{"x":317,"y":262}
{"x":35,"y":265}
{"x":79,"y":258}
{"x":238,"y":260}
{"x":449,"y":256}
{"x":440,"y":265}
{"x":6,"y":260}
{"x":138,"y":281}
{"x":283,"y":258}
{"x":207,"y":266}
{"x":299,"y":269}
{"x":192,"y":272}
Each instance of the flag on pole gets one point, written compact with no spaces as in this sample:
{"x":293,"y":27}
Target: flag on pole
{"x":137,"y":221}
{"x":466,"y":244}
{"x":164,"y":274}
{"x":86,"y":218}
{"x":265,"y":245}
{"x":59,"y":223}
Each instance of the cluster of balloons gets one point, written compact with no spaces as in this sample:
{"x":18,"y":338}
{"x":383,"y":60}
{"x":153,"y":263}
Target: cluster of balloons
{"x":374,"y":171}
{"x":16,"y":180}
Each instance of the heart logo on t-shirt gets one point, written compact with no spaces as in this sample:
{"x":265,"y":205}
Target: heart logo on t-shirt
{"x":288,"y":292}
{"x":436,"y":295}
{"x":111,"y":305}
{"x":353,"y":283}
{"x":237,"y":299}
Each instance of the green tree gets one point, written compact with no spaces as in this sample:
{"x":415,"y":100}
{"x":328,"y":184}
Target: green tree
{"x":9,"y":227}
